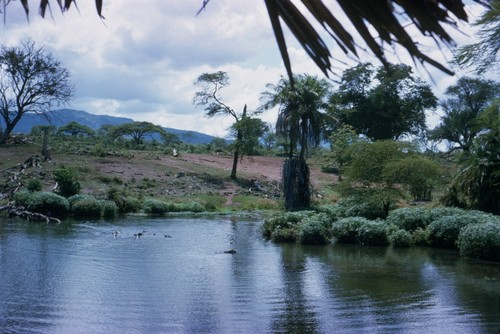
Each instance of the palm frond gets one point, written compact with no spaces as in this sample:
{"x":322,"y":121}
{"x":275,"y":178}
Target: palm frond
{"x":385,"y":16}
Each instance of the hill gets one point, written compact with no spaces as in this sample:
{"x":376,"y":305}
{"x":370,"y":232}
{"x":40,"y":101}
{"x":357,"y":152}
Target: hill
{"x":61,"y":117}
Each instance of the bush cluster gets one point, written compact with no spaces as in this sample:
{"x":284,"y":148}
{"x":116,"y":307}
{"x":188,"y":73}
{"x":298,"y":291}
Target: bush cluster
{"x":46,"y":203}
{"x":158,"y":207}
{"x":480,"y":241}
{"x":474,"y":233}
{"x":90,"y":207}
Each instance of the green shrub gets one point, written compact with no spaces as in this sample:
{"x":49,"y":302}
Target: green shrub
{"x":334,"y":211}
{"x":444,"y":231}
{"x":436,"y":213}
{"x":156,"y":207}
{"x":314,"y":230}
{"x":401,"y":238}
{"x":421,"y":237}
{"x":49,"y":204}
{"x":284,"y":235}
{"x":87,"y":207}
{"x":75,"y":198}
{"x":22,"y":198}
{"x":345,"y":230}
{"x":109,"y":209}
{"x":480,"y":241}
{"x":34,"y":185}
{"x":284,"y":227}
{"x":67,"y":183}
{"x":373,"y":233}
{"x":409,"y":219}
{"x":361,"y":207}
{"x":187,"y":206}
{"x":128,"y":204}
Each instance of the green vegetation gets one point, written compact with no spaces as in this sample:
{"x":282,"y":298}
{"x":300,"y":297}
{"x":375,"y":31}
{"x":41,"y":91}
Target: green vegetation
{"x":46,"y":203}
{"x":473,"y":233}
{"x":66,"y":181}
{"x":390,"y":180}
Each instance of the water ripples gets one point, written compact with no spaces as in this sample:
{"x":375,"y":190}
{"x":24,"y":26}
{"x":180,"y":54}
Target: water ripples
{"x":99,"y":278}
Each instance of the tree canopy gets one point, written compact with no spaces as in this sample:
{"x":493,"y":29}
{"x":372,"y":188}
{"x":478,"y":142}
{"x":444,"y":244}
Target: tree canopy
{"x":75,"y":129}
{"x":136,"y":130}
{"x":386,"y":103}
{"x":302,"y":106}
{"x":465,"y":101}
{"x":209,"y":97}
{"x":31,"y":81}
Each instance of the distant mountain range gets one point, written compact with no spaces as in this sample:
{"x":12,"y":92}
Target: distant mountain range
{"x":63,"y":116}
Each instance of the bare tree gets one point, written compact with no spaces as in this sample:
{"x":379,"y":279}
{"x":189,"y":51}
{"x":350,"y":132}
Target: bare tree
{"x":31,"y":81}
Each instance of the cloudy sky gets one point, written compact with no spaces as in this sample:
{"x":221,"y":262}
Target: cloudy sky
{"x":142,"y":60}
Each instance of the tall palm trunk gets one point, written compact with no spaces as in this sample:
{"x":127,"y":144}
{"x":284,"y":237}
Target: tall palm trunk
{"x":296,"y":184}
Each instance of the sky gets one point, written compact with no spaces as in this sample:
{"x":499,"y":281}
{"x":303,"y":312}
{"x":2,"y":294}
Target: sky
{"x":141,"y":61}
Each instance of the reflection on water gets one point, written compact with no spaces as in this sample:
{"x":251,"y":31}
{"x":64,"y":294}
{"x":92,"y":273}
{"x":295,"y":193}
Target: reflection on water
{"x":97,"y":277}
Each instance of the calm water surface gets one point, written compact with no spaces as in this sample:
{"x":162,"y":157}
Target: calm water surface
{"x":81,"y":278}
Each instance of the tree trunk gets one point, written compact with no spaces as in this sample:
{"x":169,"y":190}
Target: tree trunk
{"x":45,"y":147}
{"x":239,"y":138}
{"x":235,"y":163}
{"x":296,"y":186}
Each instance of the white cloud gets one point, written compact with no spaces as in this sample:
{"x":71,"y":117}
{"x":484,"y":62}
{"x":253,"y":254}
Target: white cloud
{"x":142,"y":60}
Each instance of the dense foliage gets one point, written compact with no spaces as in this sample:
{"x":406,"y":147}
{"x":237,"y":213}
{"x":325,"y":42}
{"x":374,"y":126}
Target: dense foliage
{"x":388,"y":103}
{"x":474,"y":233}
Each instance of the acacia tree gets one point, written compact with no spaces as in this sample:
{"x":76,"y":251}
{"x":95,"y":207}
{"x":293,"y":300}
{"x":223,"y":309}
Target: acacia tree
{"x":136,"y":130}
{"x":301,"y":120}
{"x":210,"y":98}
{"x":467,"y":99}
{"x":75,"y":129}
{"x":384,"y":104}
{"x":31,"y":81}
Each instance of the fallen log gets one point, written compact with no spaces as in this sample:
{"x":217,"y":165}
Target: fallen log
{"x":28,"y":215}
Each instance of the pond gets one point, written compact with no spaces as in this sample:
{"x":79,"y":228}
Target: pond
{"x":97,"y":277}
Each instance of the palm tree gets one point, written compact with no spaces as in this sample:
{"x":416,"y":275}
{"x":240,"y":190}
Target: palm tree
{"x":301,"y":121}
{"x":300,"y":117}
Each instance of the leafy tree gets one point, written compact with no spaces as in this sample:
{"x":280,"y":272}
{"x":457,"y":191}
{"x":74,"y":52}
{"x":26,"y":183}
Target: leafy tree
{"x":417,"y":173}
{"x":340,"y":147}
{"x":477,"y":182}
{"x":269,"y":137}
{"x":39,"y":130}
{"x":251,"y":129}
{"x":388,"y":103}
{"x":136,"y":130}
{"x":170,"y":139}
{"x":483,"y":55}
{"x":218,"y":144}
{"x":209,"y":96}
{"x":67,"y":185}
{"x":301,"y":120}
{"x":31,"y":81}
{"x":379,"y":171}
{"x":467,"y":99}
{"x":75,"y":129}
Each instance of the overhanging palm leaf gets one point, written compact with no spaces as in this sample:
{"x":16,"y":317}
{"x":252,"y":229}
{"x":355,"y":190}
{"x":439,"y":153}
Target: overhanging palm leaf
{"x":385,"y":16}
{"x":429,"y":16}
{"x":44,"y":4}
